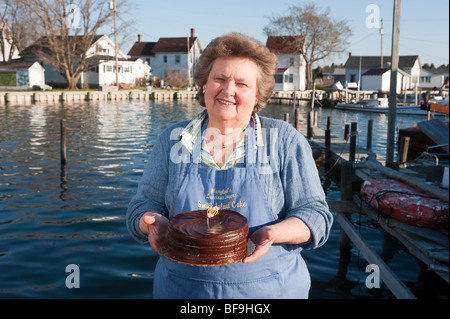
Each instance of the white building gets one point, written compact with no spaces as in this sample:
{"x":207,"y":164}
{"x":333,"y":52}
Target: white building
{"x":101,"y":66}
{"x":380,"y":80}
{"x":22,"y":75}
{"x":169,"y":54}
{"x":356,"y":66}
{"x":433,"y":78}
{"x":291,"y":66}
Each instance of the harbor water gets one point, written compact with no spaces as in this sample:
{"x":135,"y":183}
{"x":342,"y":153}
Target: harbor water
{"x":58,"y":221}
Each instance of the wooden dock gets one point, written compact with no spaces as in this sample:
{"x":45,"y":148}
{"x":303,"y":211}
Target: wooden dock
{"x":430,"y":246}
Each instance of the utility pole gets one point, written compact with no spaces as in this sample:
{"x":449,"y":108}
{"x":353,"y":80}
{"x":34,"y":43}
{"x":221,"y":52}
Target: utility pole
{"x":392,"y":114}
{"x":113,"y":3}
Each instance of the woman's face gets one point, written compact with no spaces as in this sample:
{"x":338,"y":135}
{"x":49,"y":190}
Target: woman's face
{"x":231,"y":91}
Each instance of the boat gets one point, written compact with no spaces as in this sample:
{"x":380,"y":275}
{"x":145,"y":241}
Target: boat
{"x":405,"y":203}
{"x":381,"y":106}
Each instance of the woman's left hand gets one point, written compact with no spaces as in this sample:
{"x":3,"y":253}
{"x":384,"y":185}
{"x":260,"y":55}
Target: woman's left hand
{"x":289,"y":231}
{"x":263,"y":238}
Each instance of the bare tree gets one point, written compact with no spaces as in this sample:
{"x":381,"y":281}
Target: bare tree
{"x":17,"y":26}
{"x":319,"y":36}
{"x":69,"y":30}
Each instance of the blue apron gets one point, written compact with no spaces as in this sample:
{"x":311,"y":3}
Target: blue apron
{"x":280,"y":273}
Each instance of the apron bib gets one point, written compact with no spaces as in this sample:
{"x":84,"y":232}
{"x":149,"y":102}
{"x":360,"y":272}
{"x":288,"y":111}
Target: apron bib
{"x":280,"y":273}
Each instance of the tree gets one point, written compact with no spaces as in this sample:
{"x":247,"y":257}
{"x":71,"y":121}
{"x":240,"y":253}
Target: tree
{"x":69,"y":30}
{"x":323,"y":36}
{"x":17,"y":26}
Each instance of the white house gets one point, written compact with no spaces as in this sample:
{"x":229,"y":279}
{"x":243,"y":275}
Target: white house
{"x":291,"y":66}
{"x":18,"y":74}
{"x":175,"y":54}
{"x":101,"y":66}
{"x":380,"y":80}
{"x":356,"y":66}
{"x":433,"y":78}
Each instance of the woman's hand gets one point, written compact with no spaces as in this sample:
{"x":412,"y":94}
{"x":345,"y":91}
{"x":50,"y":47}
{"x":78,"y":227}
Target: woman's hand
{"x":155,"y":226}
{"x":289,"y":231}
{"x":263,"y":238}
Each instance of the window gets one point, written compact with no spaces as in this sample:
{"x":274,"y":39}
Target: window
{"x":278,"y":78}
{"x":165,"y":58}
{"x":291,"y":61}
{"x":177,"y":59}
{"x":289,"y":78}
{"x":425,"y":79}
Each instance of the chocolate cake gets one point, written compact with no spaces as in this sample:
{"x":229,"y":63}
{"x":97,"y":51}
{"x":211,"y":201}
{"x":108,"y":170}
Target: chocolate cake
{"x":191,"y":241}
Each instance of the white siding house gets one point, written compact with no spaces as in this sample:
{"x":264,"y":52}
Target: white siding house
{"x":380,"y":80}
{"x":174,"y":54}
{"x":409,"y":65}
{"x":291,"y":67}
{"x":433,"y":78}
{"x":18,"y":74}
{"x":100,"y":66}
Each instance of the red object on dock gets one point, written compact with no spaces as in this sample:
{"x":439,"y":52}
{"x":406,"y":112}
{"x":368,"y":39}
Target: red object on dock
{"x":405,"y":203}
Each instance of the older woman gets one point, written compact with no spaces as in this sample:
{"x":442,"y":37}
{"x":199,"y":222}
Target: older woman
{"x":264,"y":162}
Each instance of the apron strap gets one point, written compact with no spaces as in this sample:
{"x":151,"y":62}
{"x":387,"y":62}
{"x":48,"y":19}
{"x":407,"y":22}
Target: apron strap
{"x":250,"y":151}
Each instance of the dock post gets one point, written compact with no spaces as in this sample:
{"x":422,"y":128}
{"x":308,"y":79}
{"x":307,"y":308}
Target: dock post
{"x":403,"y":150}
{"x":353,"y":135}
{"x":328,"y":144}
{"x":297,"y":119}
{"x":346,"y":132}
{"x":286,"y":117}
{"x":346,"y":194}
{"x":63,"y":142}
{"x":309,"y":132}
{"x":369,"y":135}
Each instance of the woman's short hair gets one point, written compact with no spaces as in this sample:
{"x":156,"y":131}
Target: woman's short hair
{"x":236,"y":44}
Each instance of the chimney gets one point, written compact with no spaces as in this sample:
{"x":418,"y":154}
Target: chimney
{"x":349,"y":54}
{"x":192,"y":33}
{"x":139,"y":37}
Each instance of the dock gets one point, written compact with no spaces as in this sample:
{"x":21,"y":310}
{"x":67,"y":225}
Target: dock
{"x":430,"y":246}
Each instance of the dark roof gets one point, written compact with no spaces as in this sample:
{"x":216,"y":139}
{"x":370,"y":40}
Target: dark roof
{"x":333,"y":71}
{"x":142,"y":49}
{"x":285,"y":44}
{"x":376,"y":71}
{"x":371,"y":62}
{"x":42,"y":44}
{"x":173,"y":44}
{"x":16,"y":65}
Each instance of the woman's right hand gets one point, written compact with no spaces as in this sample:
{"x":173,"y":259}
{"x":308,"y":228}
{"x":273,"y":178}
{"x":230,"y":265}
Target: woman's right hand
{"x":155,"y":226}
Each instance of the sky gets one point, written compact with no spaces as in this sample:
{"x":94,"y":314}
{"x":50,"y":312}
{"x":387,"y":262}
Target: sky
{"x":424,"y":24}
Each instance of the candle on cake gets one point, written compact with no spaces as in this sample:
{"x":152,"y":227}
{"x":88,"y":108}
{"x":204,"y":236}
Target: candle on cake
{"x":211,"y":212}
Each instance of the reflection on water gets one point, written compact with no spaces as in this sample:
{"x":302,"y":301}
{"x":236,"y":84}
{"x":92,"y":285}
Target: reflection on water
{"x":53,"y":215}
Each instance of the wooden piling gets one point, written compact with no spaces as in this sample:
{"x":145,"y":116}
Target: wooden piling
{"x":346,"y":195}
{"x":297,"y":119}
{"x":328,"y":144}
{"x":353,"y":135}
{"x":63,"y":142}
{"x":346,"y":132}
{"x":403,"y":149}
{"x":286,"y":117}
{"x":369,"y":135}
{"x":309,"y":132}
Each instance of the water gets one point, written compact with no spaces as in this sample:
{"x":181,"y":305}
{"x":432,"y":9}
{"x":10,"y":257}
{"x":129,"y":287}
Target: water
{"x":53,"y":216}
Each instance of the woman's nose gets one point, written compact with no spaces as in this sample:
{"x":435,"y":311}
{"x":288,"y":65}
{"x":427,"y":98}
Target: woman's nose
{"x":229,"y":88}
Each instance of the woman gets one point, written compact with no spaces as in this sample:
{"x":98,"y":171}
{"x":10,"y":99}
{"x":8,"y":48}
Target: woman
{"x":265,"y":164}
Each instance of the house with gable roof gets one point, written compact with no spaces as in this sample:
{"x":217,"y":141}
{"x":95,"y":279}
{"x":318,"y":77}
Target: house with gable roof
{"x":291,"y":67}
{"x":365,"y":66}
{"x":169,"y":54}
{"x":101,"y":66}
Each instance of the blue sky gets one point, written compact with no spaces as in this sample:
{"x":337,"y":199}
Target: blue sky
{"x":424,"y":25}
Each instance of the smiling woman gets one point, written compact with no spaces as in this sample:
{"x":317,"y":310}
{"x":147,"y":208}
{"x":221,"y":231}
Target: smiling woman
{"x":227,"y":146}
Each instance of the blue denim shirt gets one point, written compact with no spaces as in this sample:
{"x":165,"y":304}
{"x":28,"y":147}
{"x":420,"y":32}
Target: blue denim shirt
{"x":287,"y":172}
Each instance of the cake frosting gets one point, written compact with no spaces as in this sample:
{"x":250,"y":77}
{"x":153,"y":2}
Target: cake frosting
{"x":191,"y":241}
